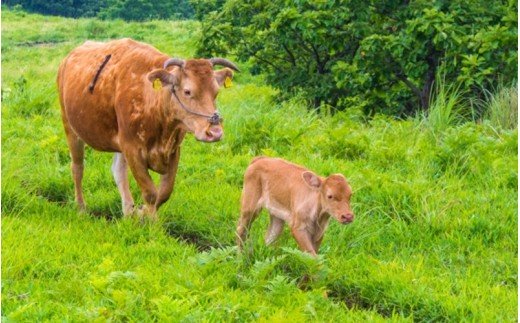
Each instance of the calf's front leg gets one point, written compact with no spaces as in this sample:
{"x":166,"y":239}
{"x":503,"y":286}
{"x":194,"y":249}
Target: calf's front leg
{"x":317,"y":244}
{"x":303,"y":238}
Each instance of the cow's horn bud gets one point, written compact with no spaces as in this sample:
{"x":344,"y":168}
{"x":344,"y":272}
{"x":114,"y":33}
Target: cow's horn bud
{"x":224,"y":62}
{"x":174,"y":61}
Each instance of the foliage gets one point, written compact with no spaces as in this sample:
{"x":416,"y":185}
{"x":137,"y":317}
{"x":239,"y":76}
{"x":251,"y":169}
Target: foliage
{"x":140,"y":10}
{"x":382,"y":57}
{"x":434,"y":239}
{"x":67,"y":8}
{"x":134,"y":10}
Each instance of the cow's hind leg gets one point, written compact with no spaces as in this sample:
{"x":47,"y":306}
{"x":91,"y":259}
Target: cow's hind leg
{"x":274,"y":230}
{"x":77,"y":154}
{"x":120,"y":172}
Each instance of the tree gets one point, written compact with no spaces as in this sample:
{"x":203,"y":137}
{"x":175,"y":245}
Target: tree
{"x":140,"y":10}
{"x":380,"y":55}
{"x":109,"y":9}
{"x":67,"y":8}
{"x":295,"y":43}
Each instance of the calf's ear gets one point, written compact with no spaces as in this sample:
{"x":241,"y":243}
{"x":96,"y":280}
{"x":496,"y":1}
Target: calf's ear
{"x":163,"y":76}
{"x":312,"y":179}
{"x":224,"y":77}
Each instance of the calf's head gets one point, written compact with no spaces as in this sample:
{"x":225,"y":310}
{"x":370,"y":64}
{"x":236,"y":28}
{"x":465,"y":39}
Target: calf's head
{"x":193,"y":86}
{"x":335,"y":194}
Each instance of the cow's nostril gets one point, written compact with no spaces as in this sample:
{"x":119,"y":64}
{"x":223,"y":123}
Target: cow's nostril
{"x":347,"y":217}
{"x":215,"y":132}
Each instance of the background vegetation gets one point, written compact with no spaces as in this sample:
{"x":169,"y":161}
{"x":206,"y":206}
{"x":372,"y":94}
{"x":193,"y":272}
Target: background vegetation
{"x":133,"y":10}
{"x":435,"y":197}
{"x":382,"y":56}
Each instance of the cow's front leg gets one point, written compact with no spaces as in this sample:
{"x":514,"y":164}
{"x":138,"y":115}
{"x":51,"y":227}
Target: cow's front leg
{"x":168,"y":180}
{"x":317,"y":244}
{"x":144,"y":180}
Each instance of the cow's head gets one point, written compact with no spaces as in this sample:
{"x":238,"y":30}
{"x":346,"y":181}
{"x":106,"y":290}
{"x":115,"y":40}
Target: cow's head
{"x":335,"y":193}
{"x":193,"y":86}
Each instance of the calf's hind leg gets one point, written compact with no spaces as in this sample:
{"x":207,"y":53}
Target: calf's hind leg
{"x":274,"y":230}
{"x":120,"y":172}
{"x":249,"y":210}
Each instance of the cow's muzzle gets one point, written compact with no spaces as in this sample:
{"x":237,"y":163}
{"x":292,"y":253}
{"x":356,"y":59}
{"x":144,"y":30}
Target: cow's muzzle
{"x":346,"y":218}
{"x":211,"y":134}
{"x":214,"y":133}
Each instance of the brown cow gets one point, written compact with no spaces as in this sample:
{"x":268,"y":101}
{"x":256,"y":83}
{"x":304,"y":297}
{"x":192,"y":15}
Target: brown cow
{"x":127,"y":97}
{"x":293,"y":195}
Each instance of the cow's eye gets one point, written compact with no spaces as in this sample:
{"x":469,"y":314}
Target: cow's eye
{"x":329,"y":197}
{"x":187,"y":92}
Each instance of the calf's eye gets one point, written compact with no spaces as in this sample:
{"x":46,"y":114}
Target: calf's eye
{"x":329,"y":197}
{"x":187,"y":92}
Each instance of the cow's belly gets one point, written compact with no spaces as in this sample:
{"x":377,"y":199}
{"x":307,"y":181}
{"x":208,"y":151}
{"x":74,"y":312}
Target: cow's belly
{"x":97,"y":127}
{"x":275,"y":209}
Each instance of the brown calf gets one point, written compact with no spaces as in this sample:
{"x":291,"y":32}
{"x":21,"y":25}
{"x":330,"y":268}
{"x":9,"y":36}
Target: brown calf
{"x":293,"y":195}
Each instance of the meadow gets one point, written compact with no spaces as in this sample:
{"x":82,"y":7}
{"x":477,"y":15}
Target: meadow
{"x":435,"y":198}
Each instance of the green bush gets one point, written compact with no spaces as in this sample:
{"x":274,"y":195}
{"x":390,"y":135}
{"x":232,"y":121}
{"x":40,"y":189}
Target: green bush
{"x":382,"y":57}
{"x":131,"y":10}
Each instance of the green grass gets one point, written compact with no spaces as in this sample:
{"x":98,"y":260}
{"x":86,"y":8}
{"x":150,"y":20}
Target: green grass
{"x":434,"y":239}
{"x":502,"y":107}
{"x":445,"y":106}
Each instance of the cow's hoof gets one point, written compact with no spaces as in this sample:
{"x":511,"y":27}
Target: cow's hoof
{"x":82,"y":208}
{"x":128,"y":210}
{"x":146,"y":214}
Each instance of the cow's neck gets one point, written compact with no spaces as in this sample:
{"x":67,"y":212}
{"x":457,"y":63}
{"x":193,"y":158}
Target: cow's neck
{"x":321,"y":224}
{"x":169,"y":130}
{"x":172,"y":127}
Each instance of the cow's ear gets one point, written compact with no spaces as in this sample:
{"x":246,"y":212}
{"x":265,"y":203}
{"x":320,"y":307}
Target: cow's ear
{"x":163,"y":76}
{"x":224,"y":77}
{"x":312,"y":179}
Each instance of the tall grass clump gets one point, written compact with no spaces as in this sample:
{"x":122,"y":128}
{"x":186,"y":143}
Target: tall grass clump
{"x":502,"y":107}
{"x":445,"y":106}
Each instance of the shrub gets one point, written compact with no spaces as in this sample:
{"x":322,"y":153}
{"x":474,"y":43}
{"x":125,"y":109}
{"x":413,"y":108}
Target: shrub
{"x":382,"y":56}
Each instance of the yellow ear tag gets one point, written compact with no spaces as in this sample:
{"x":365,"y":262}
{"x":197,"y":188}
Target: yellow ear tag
{"x":157,"y":85}
{"x":227,"y":82}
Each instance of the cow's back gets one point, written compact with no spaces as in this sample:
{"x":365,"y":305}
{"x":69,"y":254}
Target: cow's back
{"x":279,"y":180}
{"x":92,"y":115}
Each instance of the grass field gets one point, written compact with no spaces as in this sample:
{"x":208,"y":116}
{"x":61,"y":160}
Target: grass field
{"x":434,"y":239}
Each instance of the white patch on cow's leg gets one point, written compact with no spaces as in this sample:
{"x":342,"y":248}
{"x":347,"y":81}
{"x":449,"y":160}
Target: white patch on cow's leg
{"x":119,"y":170}
{"x":274,"y":230}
